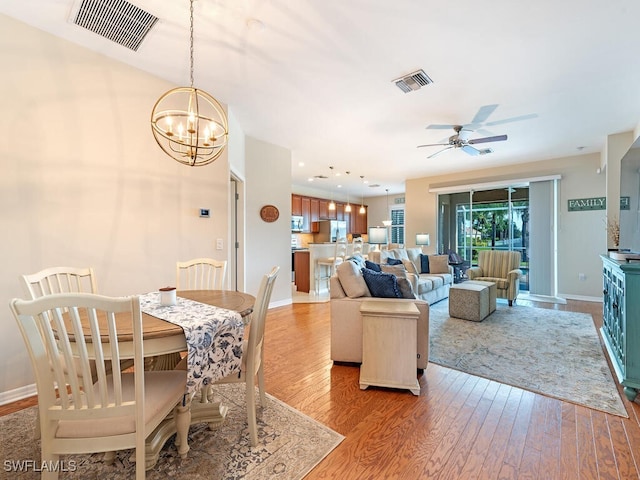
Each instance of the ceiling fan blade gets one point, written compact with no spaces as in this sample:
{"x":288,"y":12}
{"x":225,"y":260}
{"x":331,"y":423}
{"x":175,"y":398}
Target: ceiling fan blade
{"x":432,"y":145}
{"x":470,"y":150}
{"x":483,"y":113}
{"x":513,"y":119}
{"x":497,"y":138}
{"x":438,"y":152}
{"x":439,"y":127}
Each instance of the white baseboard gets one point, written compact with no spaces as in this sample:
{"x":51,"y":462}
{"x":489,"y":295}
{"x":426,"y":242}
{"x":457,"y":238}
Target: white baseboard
{"x":541,"y":298}
{"x":18,"y":394}
{"x":280,"y":303}
{"x":584,"y":298}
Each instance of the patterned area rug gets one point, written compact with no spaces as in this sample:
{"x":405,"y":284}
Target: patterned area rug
{"x":555,"y":353}
{"x":290,"y":444}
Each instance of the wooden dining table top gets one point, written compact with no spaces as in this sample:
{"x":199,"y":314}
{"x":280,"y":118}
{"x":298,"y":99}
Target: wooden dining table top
{"x":155,"y":328}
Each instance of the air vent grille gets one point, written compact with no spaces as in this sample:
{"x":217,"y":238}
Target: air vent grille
{"x":413,"y":81}
{"x":116,"y":20}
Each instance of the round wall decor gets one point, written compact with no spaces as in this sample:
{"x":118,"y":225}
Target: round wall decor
{"x":269,"y":213}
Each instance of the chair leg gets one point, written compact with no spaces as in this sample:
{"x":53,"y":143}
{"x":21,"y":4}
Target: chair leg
{"x":36,"y":427}
{"x":511,"y":303}
{"x":251,"y":413}
{"x":51,"y":460}
{"x":261,"y":386}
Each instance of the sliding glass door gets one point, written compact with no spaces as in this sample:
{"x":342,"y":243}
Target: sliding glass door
{"x":495,"y":219}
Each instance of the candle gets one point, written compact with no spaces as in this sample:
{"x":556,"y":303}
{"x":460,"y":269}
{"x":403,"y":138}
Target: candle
{"x":168,"y":296}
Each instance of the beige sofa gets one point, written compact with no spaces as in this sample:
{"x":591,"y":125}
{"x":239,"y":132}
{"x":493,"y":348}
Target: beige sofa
{"x":346,"y":321}
{"x":431,"y":287}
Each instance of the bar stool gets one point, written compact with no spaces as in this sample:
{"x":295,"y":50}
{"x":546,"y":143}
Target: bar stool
{"x":325,"y":266}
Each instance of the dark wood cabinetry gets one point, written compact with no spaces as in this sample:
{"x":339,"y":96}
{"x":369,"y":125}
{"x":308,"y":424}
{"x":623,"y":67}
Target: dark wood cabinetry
{"x":296,"y":205}
{"x":316,"y":209}
{"x":301,"y":268}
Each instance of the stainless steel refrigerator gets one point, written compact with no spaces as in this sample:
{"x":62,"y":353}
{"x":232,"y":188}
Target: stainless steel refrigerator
{"x":329,"y":230}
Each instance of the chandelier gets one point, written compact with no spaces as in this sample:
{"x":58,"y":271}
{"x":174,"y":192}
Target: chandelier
{"x":189,"y":124}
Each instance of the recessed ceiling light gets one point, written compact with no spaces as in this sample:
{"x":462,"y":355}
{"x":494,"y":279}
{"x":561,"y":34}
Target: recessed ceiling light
{"x":301,"y":164}
{"x":309,"y":179}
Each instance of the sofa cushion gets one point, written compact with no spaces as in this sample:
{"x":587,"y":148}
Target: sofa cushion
{"x":400,"y":254}
{"x":358,"y":260}
{"x":385,"y":254}
{"x":353,"y":283}
{"x":394,"y":261}
{"x":424,"y":263}
{"x":381,"y":284}
{"x":372,"y":266}
{"x":414,"y":254}
{"x":436,"y":280}
{"x":424,"y":285}
{"x":438,"y":263}
{"x":410,"y":267}
{"x":397,"y":270}
{"x":405,"y":288}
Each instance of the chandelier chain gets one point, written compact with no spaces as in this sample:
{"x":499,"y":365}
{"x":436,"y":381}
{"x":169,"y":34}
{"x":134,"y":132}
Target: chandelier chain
{"x":191,"y":43}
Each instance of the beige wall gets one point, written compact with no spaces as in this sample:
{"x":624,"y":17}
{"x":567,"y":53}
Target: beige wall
{"x":84,"y":184}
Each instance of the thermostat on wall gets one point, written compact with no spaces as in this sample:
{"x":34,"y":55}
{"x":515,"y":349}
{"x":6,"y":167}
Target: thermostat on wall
{"x":204,"y":212}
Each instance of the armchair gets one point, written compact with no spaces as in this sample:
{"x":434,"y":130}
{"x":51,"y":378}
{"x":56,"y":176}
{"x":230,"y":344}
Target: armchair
{"x":500,"y":267}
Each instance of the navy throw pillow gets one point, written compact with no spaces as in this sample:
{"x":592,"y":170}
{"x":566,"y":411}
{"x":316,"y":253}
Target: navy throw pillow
{"x":424,"y":263}
{"x":372,"y":266}
{"x":394,"y":261}
{"x":381,"y":284}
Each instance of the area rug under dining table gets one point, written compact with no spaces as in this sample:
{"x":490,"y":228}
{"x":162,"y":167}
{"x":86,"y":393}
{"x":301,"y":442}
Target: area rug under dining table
{"x":552,"y":352}
{"x":290,"y":444}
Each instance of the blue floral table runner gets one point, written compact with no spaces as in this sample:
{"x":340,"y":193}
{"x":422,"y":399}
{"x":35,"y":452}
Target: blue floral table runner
{"x":214,"y":337}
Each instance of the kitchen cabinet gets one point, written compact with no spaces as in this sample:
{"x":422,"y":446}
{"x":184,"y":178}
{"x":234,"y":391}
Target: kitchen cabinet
{"x":314,"y":209}
{"x":301,"y":270}
{"x":305,"y":203}
{"x":620,"y":326}
{"x":296,"y":205}
{"x":358,"y":221}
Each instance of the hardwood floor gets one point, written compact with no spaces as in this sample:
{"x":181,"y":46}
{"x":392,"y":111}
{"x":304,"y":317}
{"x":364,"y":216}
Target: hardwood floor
{"x":460,"y":427}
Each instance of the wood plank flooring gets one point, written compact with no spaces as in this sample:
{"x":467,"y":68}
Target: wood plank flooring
{"x":460,"y":427}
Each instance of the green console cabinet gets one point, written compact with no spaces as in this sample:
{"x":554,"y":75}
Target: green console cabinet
{"x":621,"y":321}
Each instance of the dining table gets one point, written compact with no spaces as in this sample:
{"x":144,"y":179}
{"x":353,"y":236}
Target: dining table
{"x":165,"y":344}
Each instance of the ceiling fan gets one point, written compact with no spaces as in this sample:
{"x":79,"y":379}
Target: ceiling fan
{"x":461,"y":140}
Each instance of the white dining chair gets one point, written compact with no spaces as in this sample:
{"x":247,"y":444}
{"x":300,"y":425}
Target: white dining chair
{"x":117,"y":411}
{"x":201,"y":274}
{"x":60,"y":280}
{"x":253,"y":354}
{"x":358,"y":247}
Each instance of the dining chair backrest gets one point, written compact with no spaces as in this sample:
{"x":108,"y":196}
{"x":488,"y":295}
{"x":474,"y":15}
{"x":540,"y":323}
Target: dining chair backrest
{"x":83,"y":420}
{"x":59,"y":280}
{"x":255,"y":353}
{"x":358,"y":246}
{"x":341,"y":250}
{"x":201,"y":274}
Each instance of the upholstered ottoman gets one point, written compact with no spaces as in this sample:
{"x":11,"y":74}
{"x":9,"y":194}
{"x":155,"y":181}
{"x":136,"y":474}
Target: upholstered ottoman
{"x":493,"y":292}
{"x":469,"y":301}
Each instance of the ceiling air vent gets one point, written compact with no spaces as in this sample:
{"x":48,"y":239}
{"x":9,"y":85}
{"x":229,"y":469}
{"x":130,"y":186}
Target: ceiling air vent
{"x":413,"y":81}
{"x":116,"y":20}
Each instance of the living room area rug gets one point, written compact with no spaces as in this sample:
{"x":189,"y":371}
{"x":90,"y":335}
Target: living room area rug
{"x":290,"y":444}
{"x":551,"y":352}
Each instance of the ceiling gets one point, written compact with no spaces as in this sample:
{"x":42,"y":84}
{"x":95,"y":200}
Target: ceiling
{"x":316,"y":77}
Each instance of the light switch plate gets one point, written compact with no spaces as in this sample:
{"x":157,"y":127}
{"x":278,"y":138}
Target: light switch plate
{"x":219,"y":244}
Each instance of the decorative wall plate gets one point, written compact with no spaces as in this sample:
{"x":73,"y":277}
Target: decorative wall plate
{"x":269,"y":213}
